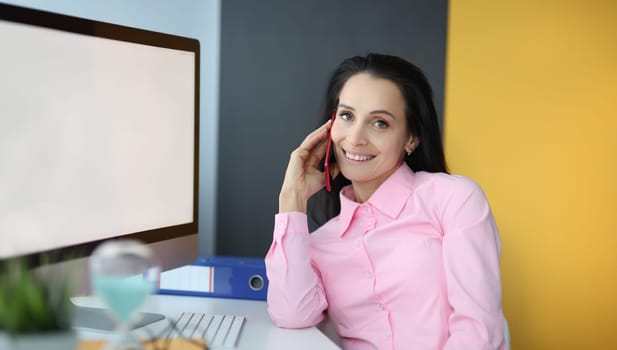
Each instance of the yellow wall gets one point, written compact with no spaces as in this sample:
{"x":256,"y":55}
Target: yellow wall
{"x":531,"y":114}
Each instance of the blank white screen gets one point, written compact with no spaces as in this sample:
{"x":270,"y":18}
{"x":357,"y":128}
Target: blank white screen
{"x":96,"y":138}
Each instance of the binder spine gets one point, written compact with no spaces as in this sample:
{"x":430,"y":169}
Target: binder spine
{"x":222,"y":277}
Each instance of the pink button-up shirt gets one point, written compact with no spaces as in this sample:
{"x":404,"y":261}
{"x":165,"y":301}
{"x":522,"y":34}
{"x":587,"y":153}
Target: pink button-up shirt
{"x":414,"y":267}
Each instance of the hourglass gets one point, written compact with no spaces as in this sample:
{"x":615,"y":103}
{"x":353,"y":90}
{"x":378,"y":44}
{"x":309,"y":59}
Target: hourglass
{"x":123,"y":273}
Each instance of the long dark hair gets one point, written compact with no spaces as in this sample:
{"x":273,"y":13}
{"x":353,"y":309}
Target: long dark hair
{"x":419,"y":111}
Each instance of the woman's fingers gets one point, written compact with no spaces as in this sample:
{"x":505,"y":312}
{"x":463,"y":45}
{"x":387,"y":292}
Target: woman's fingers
{"x":316,"y":144}
{"x":317,"y":154}
{"x":303,"y":177}
{"x":313,"y":139}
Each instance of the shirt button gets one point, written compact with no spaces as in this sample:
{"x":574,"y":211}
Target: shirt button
{"x":381,"y":306}
{"x":370,"y":275}
{"x":386,"y":336}
{"x":358,"y":243}
{"x":281,"y":224}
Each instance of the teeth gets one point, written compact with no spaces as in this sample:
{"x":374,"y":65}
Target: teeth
{"x":357,"y":156}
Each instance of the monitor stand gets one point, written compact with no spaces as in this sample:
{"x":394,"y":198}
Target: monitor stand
{"x":95,"y":318}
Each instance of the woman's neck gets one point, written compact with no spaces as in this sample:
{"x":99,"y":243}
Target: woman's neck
{"x":362,"y":191}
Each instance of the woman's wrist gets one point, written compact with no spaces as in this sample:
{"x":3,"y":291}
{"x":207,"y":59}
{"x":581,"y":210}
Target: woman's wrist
{"x":291,"y":201}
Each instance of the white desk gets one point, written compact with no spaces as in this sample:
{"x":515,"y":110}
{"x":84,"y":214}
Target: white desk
{"x":257,"y":333}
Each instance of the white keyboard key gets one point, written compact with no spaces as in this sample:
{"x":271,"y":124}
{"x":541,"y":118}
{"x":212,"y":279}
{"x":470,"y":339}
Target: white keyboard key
{"x":219,"y":331}
{"x":219,"y":339}
{"x":234,"y":332}
{"x":203,"y":326}
{"x":213,"y":328}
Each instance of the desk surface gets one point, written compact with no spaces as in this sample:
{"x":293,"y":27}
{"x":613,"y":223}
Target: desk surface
{"x":258,"y":331}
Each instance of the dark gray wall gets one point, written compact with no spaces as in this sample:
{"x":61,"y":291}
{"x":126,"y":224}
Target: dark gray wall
{"x":276,"y":57}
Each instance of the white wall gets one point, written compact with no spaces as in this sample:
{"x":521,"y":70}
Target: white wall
{"x":198,"y":19}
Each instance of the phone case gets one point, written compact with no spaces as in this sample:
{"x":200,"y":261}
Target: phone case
{"x":328,"y":151}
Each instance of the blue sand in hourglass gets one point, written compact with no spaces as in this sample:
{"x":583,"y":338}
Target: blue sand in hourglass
{"x":123,"y":295}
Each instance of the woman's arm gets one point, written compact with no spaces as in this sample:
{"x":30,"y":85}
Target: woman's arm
{"x":296,"y":297}
{"x":471,"y":250}
{"x":295,"y":293}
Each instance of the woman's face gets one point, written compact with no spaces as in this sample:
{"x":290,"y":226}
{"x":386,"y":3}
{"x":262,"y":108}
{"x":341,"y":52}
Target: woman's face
{"x":369,"y":133}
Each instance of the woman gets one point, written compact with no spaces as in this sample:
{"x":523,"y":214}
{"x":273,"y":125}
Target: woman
{"x":409,"y":258}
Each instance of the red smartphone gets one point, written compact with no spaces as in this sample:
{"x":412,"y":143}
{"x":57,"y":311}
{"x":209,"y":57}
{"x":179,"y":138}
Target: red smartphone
{"x":328,"y":149}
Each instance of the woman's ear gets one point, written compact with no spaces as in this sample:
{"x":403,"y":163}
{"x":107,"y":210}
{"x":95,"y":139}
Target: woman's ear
{"x":412,"y":144}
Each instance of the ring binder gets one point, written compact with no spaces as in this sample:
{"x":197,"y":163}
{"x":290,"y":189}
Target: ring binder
{"x":218,"y":276}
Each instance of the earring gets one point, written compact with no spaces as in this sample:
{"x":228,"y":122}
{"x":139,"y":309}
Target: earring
{"x":409,"y":152}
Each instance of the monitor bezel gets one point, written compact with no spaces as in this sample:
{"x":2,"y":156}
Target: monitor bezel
{"x":77,"y":25}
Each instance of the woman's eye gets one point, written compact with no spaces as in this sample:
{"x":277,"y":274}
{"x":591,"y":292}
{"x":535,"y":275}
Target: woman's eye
{"x":345,"y":116}
{"x":380,"y":124}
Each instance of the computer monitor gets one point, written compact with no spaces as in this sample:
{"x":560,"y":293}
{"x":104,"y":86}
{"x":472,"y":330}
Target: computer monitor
{"x":99,"y":136}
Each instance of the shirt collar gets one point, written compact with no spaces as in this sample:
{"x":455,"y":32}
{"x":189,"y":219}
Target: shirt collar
{"x":389,"y":198}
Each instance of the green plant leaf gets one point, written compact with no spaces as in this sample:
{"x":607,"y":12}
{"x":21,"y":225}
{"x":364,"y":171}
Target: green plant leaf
{"x":31,"y":302}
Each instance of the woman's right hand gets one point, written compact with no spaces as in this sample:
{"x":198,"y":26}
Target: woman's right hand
{"x":302,"y":177}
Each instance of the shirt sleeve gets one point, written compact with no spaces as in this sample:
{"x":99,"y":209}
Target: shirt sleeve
{"x":471,"y":250}
{"x":296,"y":297}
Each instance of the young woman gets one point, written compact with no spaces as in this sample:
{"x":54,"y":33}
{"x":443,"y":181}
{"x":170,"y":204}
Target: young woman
{"x":409,"y":256}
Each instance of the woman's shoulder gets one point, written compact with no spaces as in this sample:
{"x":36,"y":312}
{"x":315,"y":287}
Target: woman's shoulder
{"x":450,"y":197}
{"x":446,"y":182}
{"x":445,"y":190}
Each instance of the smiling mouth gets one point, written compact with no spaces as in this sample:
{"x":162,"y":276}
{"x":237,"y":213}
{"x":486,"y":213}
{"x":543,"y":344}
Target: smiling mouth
{"x":357,"y":157}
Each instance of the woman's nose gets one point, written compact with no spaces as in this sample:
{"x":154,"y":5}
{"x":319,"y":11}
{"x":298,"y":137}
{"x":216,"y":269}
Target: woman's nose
{"x":356,"y":135}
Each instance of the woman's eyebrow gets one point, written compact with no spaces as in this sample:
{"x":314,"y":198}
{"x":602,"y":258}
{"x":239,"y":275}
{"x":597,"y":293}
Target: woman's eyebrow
{"x":383,"y":111}
{"x":379,"y":111}
{"x":346,"y":106}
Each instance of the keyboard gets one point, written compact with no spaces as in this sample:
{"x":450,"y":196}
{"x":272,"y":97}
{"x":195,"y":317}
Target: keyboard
{"x":219,"y":331}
